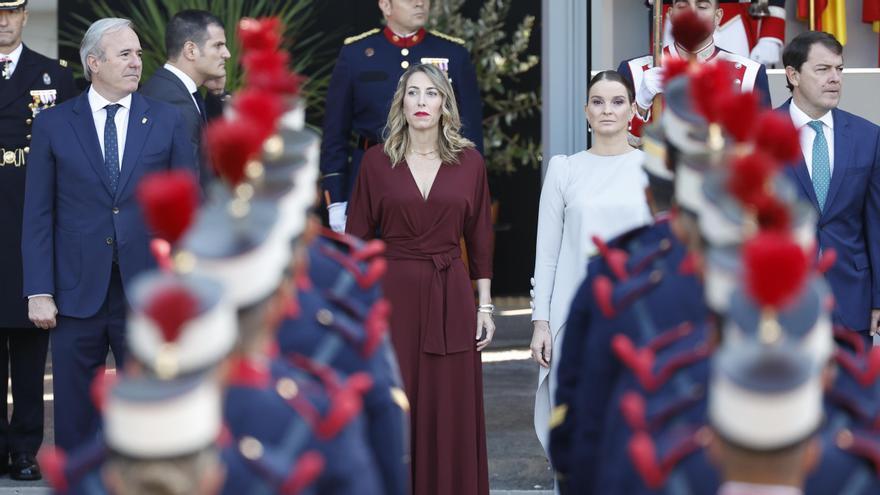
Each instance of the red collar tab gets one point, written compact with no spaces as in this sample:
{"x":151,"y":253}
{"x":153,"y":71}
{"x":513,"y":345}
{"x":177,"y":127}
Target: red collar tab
{"x":404,"y":42}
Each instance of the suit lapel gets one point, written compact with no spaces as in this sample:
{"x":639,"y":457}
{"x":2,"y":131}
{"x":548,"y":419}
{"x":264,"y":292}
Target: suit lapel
{"x":843,"y":145}
{"x":21,"y":78}
{"x":84,"y":127}
{"x":799,"y":169}
{"x":139,"y":125}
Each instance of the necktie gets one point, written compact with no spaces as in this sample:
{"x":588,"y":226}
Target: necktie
{"x":821,"y":164}
{"x":200,"y":102}
{"x":5,"y":65}
{"x":111,"y":146}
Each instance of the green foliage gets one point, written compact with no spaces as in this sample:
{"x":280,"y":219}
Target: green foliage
{"x":309,"y":54}
{"x":500,"y":59}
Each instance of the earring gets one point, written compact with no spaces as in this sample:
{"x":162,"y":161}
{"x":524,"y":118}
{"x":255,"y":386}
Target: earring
{"x":589,"y":129}
{"x":629,"y":127}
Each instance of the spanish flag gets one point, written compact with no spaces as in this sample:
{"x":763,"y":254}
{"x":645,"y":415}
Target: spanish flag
{"x":871,"y":15}
{"x":830,"y":16}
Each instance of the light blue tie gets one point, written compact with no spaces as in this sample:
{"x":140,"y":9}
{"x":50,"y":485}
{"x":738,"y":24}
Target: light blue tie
{"x":821,"y":164}
{"x":111,"y":146}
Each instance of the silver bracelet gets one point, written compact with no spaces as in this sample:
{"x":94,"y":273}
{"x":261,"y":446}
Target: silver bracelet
{"x":486,"y":308}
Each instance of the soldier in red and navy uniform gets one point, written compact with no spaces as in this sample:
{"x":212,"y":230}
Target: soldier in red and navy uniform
{"x":648,"y":80}
{"x":29,"y":83}
{"x":363,"y":82}
{"x":749,"y":28}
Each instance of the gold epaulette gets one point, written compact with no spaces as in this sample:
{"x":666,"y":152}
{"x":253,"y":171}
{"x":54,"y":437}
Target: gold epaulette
{"x":62,"y":62}
{"x":447,"y":37}
{"x":352,"y":39}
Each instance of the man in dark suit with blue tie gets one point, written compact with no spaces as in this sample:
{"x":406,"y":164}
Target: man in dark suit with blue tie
{"x":84,"y":236}
{"x":195,"y":43}
{"x":839,"y":175}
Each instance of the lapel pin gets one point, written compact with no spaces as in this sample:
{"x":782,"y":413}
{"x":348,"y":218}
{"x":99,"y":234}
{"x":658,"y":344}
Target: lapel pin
{"x":144,"y":120}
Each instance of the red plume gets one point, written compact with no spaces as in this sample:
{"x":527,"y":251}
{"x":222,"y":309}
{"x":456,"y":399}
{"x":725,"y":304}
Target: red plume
{"x":280,"y":82}
{"x":101,"y":385}
{"x":776,"y":268}
{"x":748,"y":177}
{"x":773,"y":214}
{"x":674,"y":67}
{"x":261,"y":109}
{"x":169,"y":201}
{"x":161,"y":250}
{"x":170,"y":308}
{"x":265,"y":61}
{"x":689,"y":30}
{"x":259,"y":34}
{"x":53,"y":461}
{"x":710,"y":86}
{"x":827,"y":260}
{"x":738,"y":113}
{"x":230,"y":145}
{"x":778,"y":137}
{"x":643,"y":454}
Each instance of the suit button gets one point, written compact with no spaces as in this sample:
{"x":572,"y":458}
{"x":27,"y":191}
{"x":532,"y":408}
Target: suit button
{"x":29,"y":121}
{"x":404,"y":64}
{"x":109,"y":241}
{"x":115,"y":210}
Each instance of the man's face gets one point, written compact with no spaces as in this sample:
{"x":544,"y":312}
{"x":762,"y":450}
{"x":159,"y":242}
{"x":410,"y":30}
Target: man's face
{"x":405,"y":16}
{"x":211,"y":57}
{"x":818,"y":83}
{"x":119,"y":71}
{"x":706,"y":10}
{"x":12,"y":22}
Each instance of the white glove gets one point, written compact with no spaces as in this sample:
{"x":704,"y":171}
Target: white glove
{"x":652,"y":84}
{"x":336,"y":212}
{"x":767,"y":51}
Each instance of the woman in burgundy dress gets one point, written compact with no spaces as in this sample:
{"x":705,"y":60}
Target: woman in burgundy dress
{"x":424,"y":190}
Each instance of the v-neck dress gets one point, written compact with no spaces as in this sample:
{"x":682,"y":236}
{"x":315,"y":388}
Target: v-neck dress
{"x":433,"y":314}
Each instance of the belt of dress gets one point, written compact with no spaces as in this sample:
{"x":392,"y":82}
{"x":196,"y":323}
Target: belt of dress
{"x":439,"y":328}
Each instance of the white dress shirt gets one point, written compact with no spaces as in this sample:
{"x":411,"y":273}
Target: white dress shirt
{"x":187,"y":81}
{"x":13,"y":59}
{"x":740,"y":488}
{"x":800,"y":120}
{"x":99,"y":113}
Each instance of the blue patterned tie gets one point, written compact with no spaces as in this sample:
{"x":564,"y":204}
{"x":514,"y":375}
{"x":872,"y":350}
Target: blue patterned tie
{"x":821,"y":164}
{"x":111,"y":146}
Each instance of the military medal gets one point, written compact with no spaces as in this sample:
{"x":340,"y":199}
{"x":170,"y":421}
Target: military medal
{"x":440,"y":63}
{"x":42,"y":99}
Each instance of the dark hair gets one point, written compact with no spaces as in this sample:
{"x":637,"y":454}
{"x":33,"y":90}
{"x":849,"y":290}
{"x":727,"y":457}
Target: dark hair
{"x":613,"y":75}
{"x":797,"y":51}
{"x":188,"y":25}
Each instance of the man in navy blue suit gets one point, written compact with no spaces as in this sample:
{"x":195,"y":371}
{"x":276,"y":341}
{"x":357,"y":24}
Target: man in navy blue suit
{"x":84,"y":236}
{"x":363,"y":83}
{"x":839,"y":174}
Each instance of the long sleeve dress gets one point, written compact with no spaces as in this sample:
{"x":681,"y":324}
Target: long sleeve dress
{"x":433,"y":316}
{"x":583,"y":195}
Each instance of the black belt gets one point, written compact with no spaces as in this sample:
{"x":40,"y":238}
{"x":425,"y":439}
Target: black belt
{"x":366,"y":143}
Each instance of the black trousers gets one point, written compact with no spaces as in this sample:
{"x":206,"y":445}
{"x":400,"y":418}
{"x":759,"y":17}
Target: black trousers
{"x":23,"y":359}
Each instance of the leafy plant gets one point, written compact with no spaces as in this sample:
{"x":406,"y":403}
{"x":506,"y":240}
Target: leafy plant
{"x":500,"y":59}
{"x":309,"y":53}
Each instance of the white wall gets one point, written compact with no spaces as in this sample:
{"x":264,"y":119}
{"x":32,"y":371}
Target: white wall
{"x":41,"y":32}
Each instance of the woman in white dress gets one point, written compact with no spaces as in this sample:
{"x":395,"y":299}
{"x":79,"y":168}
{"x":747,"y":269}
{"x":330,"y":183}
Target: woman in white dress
{"x":598,"y":192}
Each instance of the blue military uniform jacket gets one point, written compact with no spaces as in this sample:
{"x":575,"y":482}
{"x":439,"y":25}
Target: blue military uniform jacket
{"x":37,"y":83}
{"x":361,"y":87}
{"x":643,"y":295}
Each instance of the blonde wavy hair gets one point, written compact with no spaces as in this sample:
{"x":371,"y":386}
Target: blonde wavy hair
{"x":450,"y":142}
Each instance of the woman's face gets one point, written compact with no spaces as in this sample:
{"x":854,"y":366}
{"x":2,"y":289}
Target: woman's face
{"x":608,"y":108}
{"x":422,"y":102}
